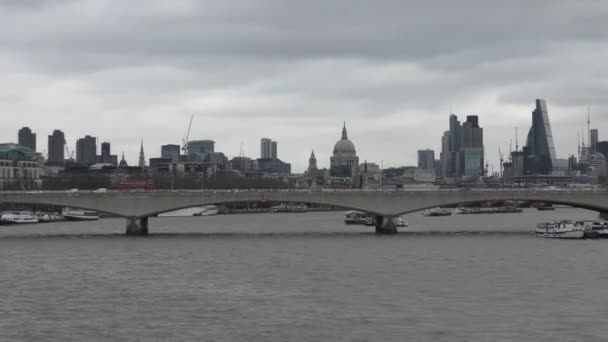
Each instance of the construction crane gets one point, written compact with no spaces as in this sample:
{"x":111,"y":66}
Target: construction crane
{"x":502,"y":159}
{"x":69,"y":153}
{"x":187,"y":136}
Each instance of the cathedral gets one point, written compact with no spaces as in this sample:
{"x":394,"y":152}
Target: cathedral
{"x":344,"y":162}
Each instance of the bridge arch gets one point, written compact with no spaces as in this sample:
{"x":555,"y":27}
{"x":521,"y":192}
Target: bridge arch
{"x":227,"y":202}
{"x":63,"y":205}
{"x":574,"y":204}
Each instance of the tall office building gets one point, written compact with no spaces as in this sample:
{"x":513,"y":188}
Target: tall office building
{"x":105,"y":152}
{"x":274,"y":150}
{"x":593,"y":135}
{"x":86,"y":150}
{"x":426,"y":160}
{"x":56,"y":146}
{"x":539,"y":152}
{"x":462,"y":149}
{"x":454,"y":156}
{"x":471,"y":148}
{"x":27,"y":138}
{"x":444,"y":154}
{"x":268,"y":149}
{"x":170,"y":151}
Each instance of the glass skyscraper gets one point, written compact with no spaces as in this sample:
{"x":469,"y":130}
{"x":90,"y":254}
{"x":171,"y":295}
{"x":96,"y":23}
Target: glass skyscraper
{"x":539,"y":152}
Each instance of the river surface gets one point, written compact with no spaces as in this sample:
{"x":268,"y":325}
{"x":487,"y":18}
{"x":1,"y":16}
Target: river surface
{"x":303,"y":277}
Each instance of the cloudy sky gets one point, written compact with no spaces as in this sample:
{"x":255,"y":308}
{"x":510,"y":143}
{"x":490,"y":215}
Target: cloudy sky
{"x":295,"y":70}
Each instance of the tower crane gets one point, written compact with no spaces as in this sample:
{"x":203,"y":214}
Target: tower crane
{"x":502,"y":159}
{"x":187,"y":137}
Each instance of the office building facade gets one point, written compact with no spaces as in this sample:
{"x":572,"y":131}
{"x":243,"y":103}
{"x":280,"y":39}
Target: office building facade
{"x":27,"y":138}
{"x":86,"y":150}
{"x":56,"y":146}
{"x":539,"y":152}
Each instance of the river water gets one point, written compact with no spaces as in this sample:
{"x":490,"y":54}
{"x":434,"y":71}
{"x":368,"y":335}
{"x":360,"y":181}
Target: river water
{"x":303,"y":277}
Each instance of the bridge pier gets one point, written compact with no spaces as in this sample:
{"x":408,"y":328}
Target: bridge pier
{"x":385,"y":225}
{"x":137,"y":228}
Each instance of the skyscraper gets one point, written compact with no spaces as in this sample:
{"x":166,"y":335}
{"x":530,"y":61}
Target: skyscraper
{"x":426,"y":160}
{"x":274,"y":152}
{"x":86,"y":150}
{"x":593,"y":135}
{"x":27,"y":138}
{"x":471,"y":148}
{"x":56,"y":146}
{"x":539,"y":152}
{"x":445,"y":153}
{"x":105,"y":152}
{"x":268,"y":149}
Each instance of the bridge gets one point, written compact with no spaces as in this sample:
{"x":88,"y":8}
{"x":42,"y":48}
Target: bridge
{"x":137,"y":207}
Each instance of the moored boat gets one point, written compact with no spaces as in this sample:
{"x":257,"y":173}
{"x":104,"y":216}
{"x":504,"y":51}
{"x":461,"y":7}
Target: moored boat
{"x":564,"y":229}
{"x":356,"y":217}
{"x":210,"y":210}
{"x":193,"y":211}
{"x":400,"y":222}
{"x":72,"y":214}
{"x":436,"y":212}
{"x":18,"y":217}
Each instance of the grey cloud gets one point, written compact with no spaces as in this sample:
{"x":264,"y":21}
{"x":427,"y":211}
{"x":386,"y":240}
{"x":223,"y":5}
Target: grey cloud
{"x":303,"y":66}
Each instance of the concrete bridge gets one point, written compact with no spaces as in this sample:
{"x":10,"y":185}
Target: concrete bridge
{"x":137,"y":207}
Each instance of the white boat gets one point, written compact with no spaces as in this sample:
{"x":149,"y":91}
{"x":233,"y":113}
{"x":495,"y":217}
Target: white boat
{"x":48,"y":216}
{"x":564,"y":229}
{"x":72,"y":214}
{"x":400,"y":222}
{"x":595,"y":229}
{"x":193,"y":211}
{"x":356,"y":217}
{"x":210,"y":210}
{"x":436,"y":212}
{"x":18,"y":217}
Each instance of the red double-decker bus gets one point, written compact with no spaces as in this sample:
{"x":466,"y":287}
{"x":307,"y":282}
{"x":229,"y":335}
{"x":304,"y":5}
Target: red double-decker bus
{"x":135,"y":186}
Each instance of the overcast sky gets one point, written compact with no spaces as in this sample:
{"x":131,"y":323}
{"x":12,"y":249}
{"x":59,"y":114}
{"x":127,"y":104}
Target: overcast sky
{"x":293,"y":71}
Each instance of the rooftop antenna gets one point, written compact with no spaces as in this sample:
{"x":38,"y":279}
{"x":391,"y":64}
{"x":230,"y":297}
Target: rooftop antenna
{"x":589,"y":124}
{"x":516,"y":141}
{"x":578,"y":141}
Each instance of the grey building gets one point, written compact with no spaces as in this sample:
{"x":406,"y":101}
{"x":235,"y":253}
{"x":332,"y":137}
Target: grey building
{"x":106,"y":156}
{"x":444,"y":154}
{"x":471,"y":148}
{"x":170,"y":151}
{"x":56,"y":146}
{"x":426,"y":159}
{"x":86,"y":150}
{"x":273,"y":166}
{"x":201,"y":146}
{"x":268,"y":149}
{"x":243,"y":164}
{"x":27,"y":138}
{"x":539,"y":152}
{"x":593,"y":135}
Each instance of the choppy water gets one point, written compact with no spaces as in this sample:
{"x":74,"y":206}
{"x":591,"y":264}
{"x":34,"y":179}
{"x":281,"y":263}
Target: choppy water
{"x":302,"y":277}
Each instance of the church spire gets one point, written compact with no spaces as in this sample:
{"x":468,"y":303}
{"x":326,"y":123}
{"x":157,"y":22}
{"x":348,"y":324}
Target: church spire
{"x":142,"y":159}
{"x":312,"y":161}
{"x":344,"y":133}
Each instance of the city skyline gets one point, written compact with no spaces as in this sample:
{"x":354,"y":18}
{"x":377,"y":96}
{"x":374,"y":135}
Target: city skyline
{"x":295,"y":83}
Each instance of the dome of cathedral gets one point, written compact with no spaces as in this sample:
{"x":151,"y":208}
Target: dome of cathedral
{"x":344,"y":146}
